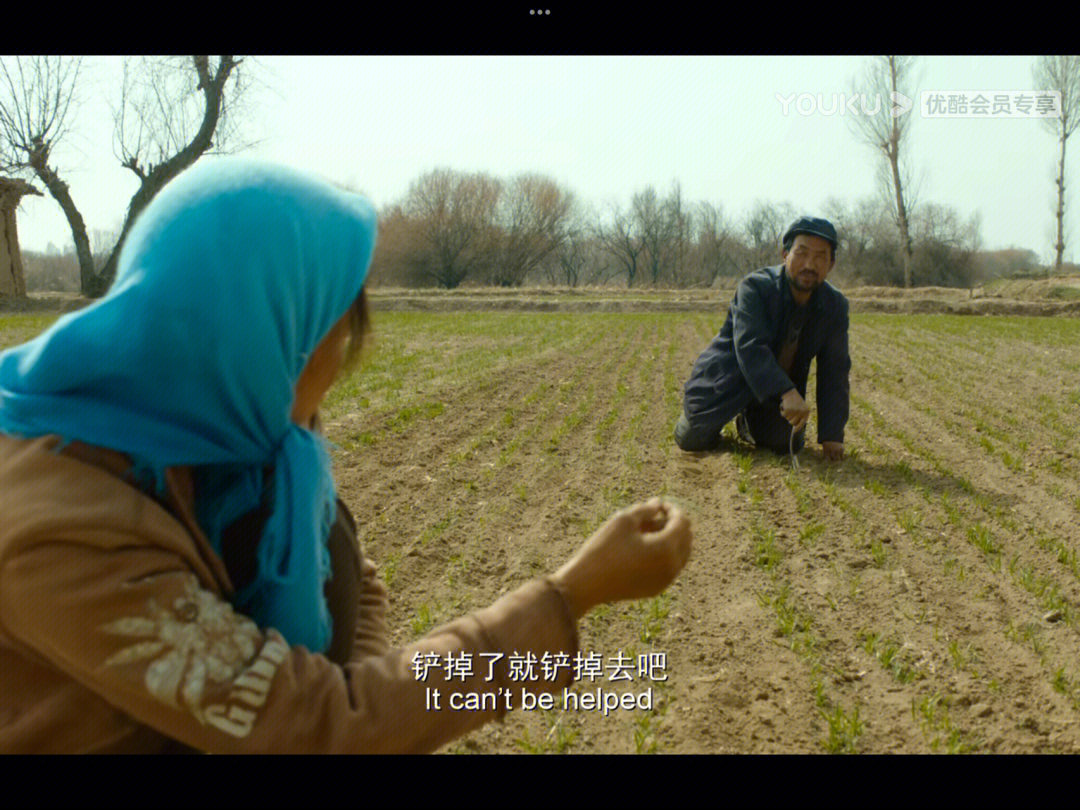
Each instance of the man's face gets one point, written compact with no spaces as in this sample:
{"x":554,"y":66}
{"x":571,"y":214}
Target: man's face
{"x":808,"y":262}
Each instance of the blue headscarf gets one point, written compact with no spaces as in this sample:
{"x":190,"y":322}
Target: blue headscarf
{"x":226,"y":283}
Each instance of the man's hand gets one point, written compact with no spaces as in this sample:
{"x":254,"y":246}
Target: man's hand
{"x":794,"y":408}
{"x":834,"y":451}
{"x":636,"y":554}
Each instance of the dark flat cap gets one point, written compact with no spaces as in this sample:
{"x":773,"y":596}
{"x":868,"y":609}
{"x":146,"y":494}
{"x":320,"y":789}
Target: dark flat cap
{"x":814,"y":226}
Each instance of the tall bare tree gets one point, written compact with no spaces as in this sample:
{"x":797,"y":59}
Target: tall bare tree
{"x":1061,"y":73}
{"x":664,"y":227}
{"x":654,"y":225}
{"x":455,"y":218}
{"x":887,"y":91}
{"x":681,"y":219}
{"x":621,"y":239}
{"x":566,"y":265}
{"x":172,"y":111}
{"x":530,"y":217}
{"x":713,"y":233}
{"x":678,"y":225}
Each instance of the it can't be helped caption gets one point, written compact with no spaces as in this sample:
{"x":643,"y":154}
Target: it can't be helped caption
{"x":601,"y":700}
{"x":584,"y":666}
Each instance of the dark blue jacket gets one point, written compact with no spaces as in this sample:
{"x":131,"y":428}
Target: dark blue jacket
{"x":741,"y":361}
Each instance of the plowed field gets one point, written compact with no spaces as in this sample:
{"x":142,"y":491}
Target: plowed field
{"x":923,"y":595}
{"x":919,"y":596}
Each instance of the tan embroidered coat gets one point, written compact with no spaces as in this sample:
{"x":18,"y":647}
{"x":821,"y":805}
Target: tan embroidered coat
{"x":116,"y":633}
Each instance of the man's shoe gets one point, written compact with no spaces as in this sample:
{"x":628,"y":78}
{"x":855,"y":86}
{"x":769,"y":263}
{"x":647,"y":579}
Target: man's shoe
{"x":743,"y":429}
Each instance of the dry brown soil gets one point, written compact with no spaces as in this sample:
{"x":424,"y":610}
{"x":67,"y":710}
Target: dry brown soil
{"x":919,"y":596}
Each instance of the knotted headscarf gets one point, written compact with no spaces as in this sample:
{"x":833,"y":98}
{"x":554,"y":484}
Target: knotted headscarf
{"x":226,"y":283}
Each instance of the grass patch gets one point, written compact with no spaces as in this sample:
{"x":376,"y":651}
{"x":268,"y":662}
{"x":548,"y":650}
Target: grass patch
{"x":809,"y":533}
{"x":892,"y":655}
{"x":766,"y":554}
{"x":423,"y":621}
{"x":932,"y":713}
{"x":844,"y":730}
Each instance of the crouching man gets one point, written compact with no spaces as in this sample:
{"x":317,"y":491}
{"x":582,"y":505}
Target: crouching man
{"x":755,"y":370}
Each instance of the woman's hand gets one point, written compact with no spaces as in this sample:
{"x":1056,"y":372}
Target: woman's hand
{"x":636,"y":554}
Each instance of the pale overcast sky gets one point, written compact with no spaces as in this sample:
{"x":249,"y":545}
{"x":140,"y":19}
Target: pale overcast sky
{"x":605,"y":127}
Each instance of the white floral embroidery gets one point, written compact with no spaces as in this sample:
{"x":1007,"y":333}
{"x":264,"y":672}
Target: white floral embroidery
{"x":200,"y":638}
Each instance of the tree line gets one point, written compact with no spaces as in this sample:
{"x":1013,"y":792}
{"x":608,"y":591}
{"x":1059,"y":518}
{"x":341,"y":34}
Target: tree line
{"x":456,"y":228}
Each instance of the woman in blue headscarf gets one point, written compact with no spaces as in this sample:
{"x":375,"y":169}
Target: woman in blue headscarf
{"x":174,"y":562}
{"x":224,"y":288}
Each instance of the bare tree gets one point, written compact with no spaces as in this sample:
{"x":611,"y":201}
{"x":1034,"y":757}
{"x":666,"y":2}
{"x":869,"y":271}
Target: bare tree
{"x":392,"y":264}
{"x":655,"y":227}
{"x":172,"y":111}
{"x":681,"y":226}
{"x":763,"y":229}
{"x":869,"y":249}
{"x":455,"y":220}
{"x":601,"y":268}
{"x":665,"y":226}
{"x":566,"y":265}
{"x":621,"y":239}
{"x":945,"y":247}
{"x":713,"y":234}
{"x":183,"y":111}
{"x":36,"y":98}
{"x":530,"y":217}
{"x":883,"y":125}
{"x":1061,"y":73}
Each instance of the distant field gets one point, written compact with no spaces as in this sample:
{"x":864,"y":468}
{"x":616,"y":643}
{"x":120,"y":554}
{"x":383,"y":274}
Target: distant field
{"x":1058,"y":295}
{"x":921,"y":596}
